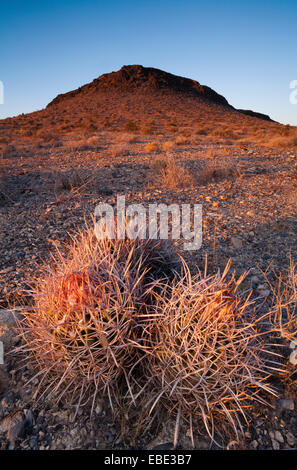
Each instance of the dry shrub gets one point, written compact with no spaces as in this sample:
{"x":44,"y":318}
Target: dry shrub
{"x":204,"y":360}
{"x":217,"y":167}
{"x":83,"y":143}
{"x":131,"y":126}
{"x":81,"y":333}
{"x":3,"y":191}
{"x":284,"y":130}
{"x":174,"y":175}
{"x":169,"y":145}
{"x":9,"y":151}
{"x":146,"y":130}
{"x":152,"y":147}
{"x":128,"y":138}
{"x":46,"y":135}
{"x":159,"y":164}
{"x":202,"y":132}
{"x":69,"y":181}
{"x":76,"y":144}
{"x":120,"y":150}
{"x":93,"y":141}
{"x":182,"y":140}
{"x":282,"y":141}
{"x":285,"y":304}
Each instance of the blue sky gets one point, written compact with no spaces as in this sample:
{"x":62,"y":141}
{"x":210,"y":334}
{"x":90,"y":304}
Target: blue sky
{"x":245,"y":50}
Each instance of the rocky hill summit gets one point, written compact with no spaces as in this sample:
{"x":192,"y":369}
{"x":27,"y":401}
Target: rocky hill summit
{"x":133,"y":78}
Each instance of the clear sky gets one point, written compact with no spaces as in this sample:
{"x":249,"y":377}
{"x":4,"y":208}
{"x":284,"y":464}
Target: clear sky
{"x":245,"y":50}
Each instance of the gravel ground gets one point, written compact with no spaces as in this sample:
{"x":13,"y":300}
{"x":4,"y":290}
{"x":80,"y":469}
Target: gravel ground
{"x":250,"y":218}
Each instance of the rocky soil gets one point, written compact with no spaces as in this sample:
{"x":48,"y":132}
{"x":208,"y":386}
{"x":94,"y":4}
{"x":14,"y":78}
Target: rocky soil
{"x":248,"y":216}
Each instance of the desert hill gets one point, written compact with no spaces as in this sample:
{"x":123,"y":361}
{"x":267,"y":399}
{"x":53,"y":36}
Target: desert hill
{"x":137,"y":79}
{"x":141,"y":99}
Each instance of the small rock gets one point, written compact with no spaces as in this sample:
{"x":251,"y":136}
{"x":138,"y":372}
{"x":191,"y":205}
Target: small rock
{"x":287,"y":404}
{"x":236,"y":242}
{"x":264,"y":292}
{"x":293,"y":357}
{"x":290,"y":439}
{"x":278,"y":436}
{"x":14,"y":424}
{"x":7,"y":324}
{"x":275,"y":444}
{"x":255,"y":280}
{"x":7,"y":399}
{"x":7,"y":270}
{"x":254,"y":444}
{"x":98,"y":408}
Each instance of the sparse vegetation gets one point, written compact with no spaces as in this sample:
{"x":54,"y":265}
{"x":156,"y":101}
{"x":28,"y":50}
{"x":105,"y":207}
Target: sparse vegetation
{"x":285,"y":304}
{"x":131,"y":126}
{"x":68,"y":181}
{"x":217,"y":167}
{"x":173,"y":175}
{"x":120,"y":150}
{"x":169,"y":145}
{"x":282,"y":141}
{"x":152,"y":147}
{"x":182,"y":141}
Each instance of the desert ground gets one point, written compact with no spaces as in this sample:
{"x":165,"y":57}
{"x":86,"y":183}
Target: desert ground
{"x":153,"y":140}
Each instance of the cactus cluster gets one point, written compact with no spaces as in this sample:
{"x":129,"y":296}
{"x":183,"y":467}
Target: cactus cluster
{"x":115,"y":316}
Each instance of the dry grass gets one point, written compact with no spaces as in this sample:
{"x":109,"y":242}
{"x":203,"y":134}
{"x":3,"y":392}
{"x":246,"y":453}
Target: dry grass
{"x":70,"y":181}
{"x":204,"y":356}
{"x":4,"y":191}
{"x":80,"y":144}
{"x":127,"y":138}
{"x":169,"y":145}
{"x":285,"y":303}
{"x":159,"y":164}
{"x":217,"y":167}
{"x":173,"y":175}
{"x":152,"y":147}
{"x":131,"y":126}
{"x":120,"y":150}
{"x":182,"y":141}
{"x":93,"y":141}
{"x":282,"y":141}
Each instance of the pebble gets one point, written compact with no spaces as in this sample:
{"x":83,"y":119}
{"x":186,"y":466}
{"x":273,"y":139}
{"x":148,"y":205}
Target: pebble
{"x":254,"y":444}
{"x":293,"y":357}
{"x":255,"y":280}
{"x":287,"y":404}
{"x":264,"y":292}
{"x":290,"y":439}
{"x":236,"y":242}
